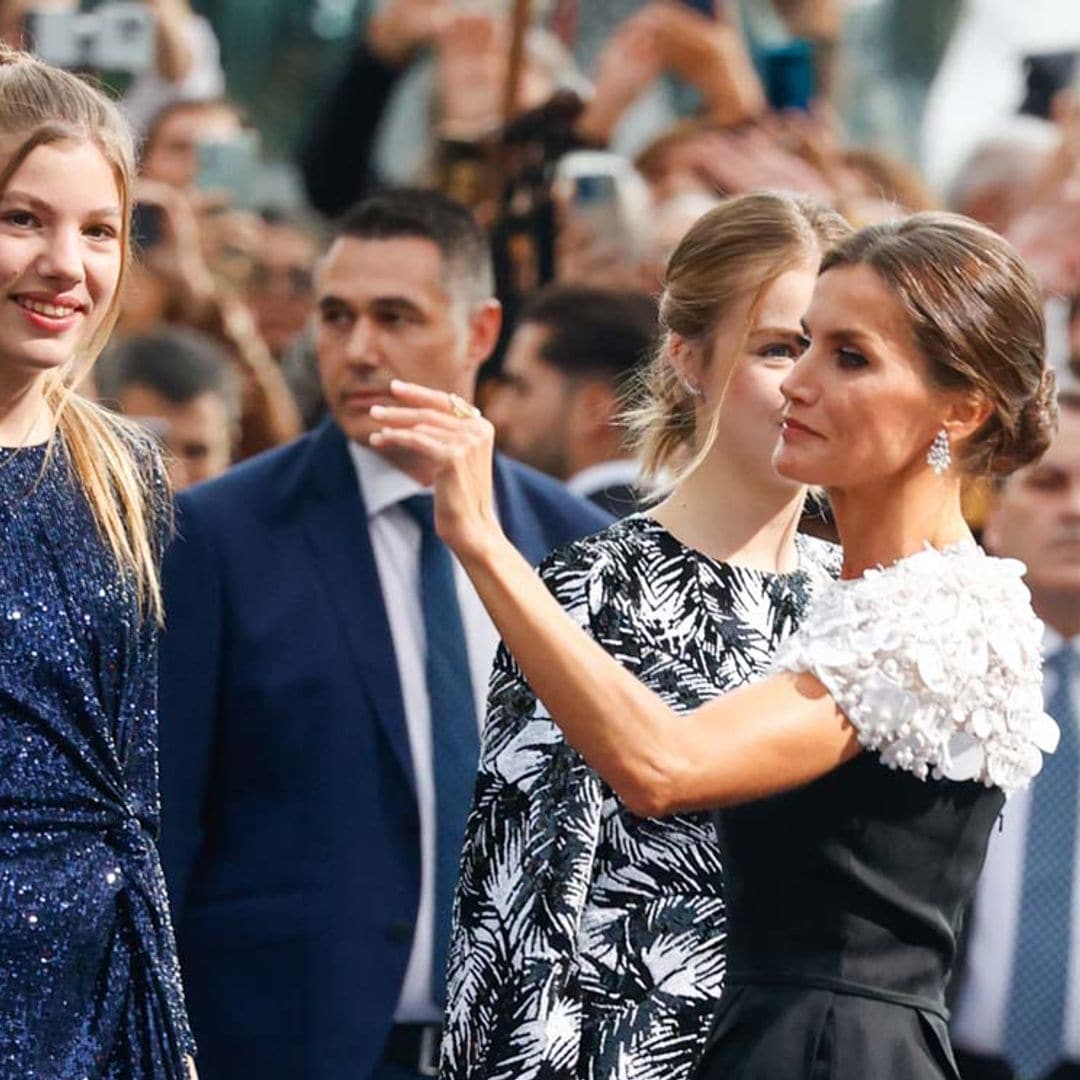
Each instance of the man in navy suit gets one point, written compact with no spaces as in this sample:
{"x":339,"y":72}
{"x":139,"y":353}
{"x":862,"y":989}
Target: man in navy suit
{"x":323,"y":675}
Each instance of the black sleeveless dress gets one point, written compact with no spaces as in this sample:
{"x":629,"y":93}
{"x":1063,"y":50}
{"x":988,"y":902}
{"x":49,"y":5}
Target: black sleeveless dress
{"x":845,"y":897}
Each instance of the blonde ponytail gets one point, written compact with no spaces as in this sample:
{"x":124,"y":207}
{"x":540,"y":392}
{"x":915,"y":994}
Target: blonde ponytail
{"x":114,"y":463}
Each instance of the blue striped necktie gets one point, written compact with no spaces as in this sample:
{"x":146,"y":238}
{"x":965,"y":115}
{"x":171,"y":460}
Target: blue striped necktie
{"x":1035,"y":1024}
{"x":455,"y":740}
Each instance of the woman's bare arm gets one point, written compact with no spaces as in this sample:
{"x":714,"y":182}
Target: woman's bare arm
{"x":756,"y":741}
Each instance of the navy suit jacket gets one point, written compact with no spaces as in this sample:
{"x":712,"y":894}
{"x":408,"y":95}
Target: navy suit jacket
{"x":290,"y":828}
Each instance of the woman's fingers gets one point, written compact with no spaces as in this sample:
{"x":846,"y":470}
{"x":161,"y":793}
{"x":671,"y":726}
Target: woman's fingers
{"x":442,"y":427}
{"x":422,"y":441}
{"x":422,"y":397}
{"x":445,"y":444}
{"x":451,"y":443}
{"x":399,"y":416}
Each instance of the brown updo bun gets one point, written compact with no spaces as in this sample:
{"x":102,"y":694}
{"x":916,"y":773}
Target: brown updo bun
{"x":976,"y":311}
{"x":1036,"y":424}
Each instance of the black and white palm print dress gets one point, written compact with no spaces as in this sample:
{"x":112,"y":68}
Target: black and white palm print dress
{"x":589,"y":943}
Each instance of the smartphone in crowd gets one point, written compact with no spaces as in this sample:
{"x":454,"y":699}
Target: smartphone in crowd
{"x":147,"y":226}
{"x":594,"y":200}
{"x":788,"y":74}
{"x":588,"y":182}
{"x":1044,"y":75}
{"x":116,"y":36}
{"x":230,"y":166}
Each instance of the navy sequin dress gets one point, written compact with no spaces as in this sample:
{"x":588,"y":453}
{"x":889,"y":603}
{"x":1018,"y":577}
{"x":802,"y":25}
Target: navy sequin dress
{"x":89,"y":983}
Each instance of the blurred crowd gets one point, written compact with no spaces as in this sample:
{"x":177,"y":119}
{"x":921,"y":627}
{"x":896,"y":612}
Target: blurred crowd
{"x":586,"y":168}
{"x":585,"y":138}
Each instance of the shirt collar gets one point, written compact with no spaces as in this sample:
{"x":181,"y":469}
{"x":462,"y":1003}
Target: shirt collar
{"x":1053,"y":641}
{"x":382,"y":484}
{"x":604,"y":475}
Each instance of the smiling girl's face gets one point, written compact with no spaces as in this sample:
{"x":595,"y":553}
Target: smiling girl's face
{"x":861,"y":407}
{"x":61,"y":256}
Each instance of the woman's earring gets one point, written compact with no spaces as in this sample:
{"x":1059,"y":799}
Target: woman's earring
{"x":691,"y":388}
{"x":940,"y":456}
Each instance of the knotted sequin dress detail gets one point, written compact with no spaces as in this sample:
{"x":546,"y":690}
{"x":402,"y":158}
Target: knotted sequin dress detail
{"x":89,"y":983}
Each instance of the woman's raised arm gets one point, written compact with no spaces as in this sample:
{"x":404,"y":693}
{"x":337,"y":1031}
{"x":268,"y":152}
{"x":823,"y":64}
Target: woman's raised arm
{"x":756,"y":741}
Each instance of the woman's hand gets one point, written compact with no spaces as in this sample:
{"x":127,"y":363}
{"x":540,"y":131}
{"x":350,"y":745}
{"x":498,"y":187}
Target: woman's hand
{"x":443,"y":442}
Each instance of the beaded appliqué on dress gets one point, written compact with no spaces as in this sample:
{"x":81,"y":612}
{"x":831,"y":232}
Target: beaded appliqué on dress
{"x":936,"y":662}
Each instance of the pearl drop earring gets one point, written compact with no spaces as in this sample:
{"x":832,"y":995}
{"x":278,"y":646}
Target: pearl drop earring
{"x":939,"y":457}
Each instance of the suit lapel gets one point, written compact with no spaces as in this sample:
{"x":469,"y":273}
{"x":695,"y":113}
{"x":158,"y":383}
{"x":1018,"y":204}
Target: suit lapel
{"x":516,"y":516}
{"x":336,"y":530}
{"x":326,"y":497}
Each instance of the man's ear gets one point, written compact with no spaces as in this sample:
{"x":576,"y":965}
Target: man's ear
{"x":485,"y":321}
{"x":597,"y":406}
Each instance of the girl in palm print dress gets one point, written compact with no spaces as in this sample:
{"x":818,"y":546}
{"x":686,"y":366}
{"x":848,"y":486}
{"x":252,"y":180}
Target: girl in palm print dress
{"x":589,"y":942}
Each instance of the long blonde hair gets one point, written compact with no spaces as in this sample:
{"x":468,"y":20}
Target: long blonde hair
{"x":111,"y":459}
{"x":737,"y":249}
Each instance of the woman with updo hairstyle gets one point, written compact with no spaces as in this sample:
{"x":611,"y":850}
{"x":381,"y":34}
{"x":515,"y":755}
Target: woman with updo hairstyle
{"x":89,"y":985}
{"x":615,"y":910}
{"x":859,"y":781}
{"x":977,"y":316}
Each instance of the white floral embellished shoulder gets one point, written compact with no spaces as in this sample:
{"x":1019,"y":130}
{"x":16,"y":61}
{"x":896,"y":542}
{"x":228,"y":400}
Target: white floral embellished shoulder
{"x":936,"y":662}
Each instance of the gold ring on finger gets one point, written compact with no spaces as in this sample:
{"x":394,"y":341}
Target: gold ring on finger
{"x":462,"y":409}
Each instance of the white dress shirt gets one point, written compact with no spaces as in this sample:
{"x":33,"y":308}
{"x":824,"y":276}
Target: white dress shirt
{"x":395,"y":540}
{"x":606,"y":474}
{"x":982,"y":1007}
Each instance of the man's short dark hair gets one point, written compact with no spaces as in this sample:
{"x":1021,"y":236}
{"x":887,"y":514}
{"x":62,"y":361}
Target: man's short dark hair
{"x":594,"y":333}
{"x":430,"y":215}
{"x":176,"y":363}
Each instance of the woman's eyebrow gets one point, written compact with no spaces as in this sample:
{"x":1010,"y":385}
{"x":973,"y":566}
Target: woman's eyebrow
{"x":35,"y":203}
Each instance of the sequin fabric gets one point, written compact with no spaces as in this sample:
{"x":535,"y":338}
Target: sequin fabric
{"x":89,"y":983}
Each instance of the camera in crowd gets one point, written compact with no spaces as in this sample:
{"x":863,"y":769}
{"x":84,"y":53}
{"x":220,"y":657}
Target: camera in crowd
{"x":115,"y":36}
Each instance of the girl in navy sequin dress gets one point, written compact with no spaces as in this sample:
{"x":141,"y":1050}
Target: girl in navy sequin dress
{"x":89,"y":985}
